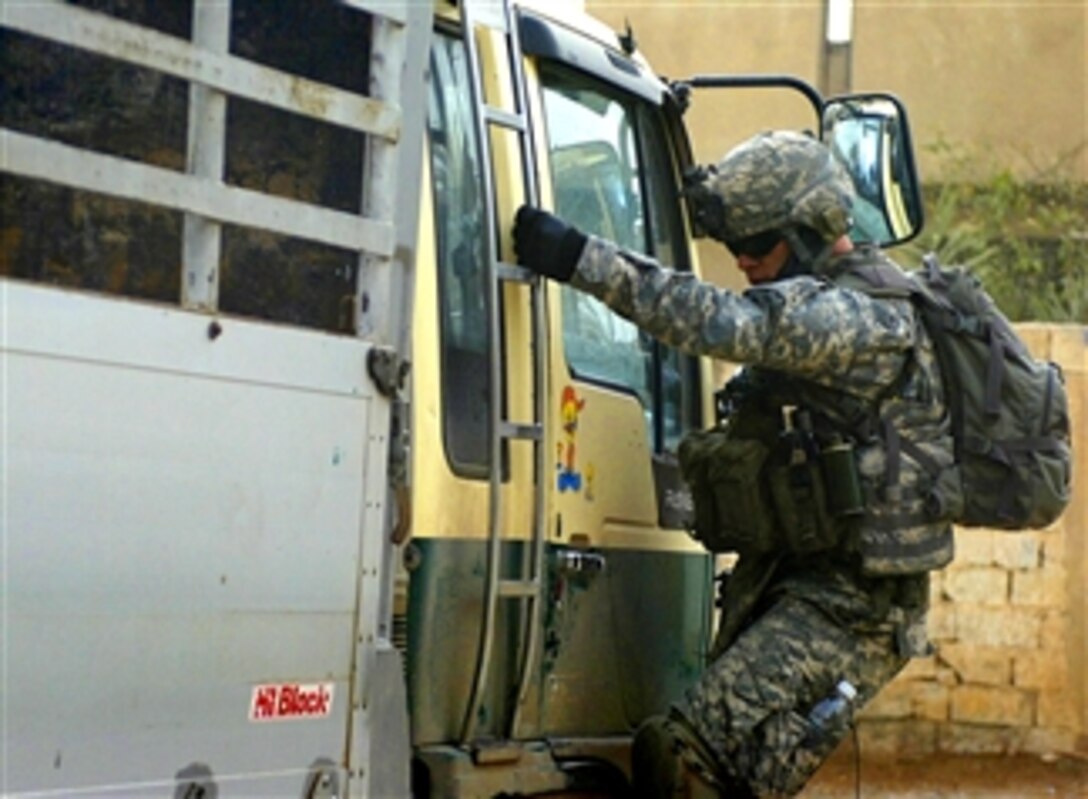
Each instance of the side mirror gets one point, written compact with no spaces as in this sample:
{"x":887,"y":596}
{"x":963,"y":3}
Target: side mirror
{"x":870,"y":136}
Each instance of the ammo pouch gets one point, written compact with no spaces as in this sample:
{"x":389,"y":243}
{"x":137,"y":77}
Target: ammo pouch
{"x":732,"y":504}
{"x":750,"y":499}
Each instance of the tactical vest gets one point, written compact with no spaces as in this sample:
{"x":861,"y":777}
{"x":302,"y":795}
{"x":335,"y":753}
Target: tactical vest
{"x":800,"y":467}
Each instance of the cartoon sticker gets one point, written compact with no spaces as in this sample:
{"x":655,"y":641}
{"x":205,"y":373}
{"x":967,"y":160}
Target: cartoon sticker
{"x":570,"y":406}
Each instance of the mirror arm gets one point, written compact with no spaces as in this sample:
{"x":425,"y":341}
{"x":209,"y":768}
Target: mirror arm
{"x":755,"y":82}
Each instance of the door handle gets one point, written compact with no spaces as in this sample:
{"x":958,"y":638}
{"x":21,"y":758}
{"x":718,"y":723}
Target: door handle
{"x":579,"y":562}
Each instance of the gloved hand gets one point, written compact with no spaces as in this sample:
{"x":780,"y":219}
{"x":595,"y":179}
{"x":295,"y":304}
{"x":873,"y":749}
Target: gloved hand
{"x":546,"y":244}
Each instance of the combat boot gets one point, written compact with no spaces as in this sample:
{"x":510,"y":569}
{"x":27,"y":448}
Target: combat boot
{"x":668,"y":762}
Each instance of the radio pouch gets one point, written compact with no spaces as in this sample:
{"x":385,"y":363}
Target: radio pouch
{"x":800,"y":501}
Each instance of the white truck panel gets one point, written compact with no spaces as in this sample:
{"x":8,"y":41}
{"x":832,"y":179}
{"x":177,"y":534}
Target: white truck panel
{"x":183,"y":501}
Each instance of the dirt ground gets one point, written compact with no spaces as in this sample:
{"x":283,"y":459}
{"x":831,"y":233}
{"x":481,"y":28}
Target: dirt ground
{"x":953,"y":777}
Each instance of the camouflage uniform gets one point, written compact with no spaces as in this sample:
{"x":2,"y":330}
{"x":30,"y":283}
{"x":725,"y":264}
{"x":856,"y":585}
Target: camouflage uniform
{"x":835,"y":338}
{"x":794,"y":626}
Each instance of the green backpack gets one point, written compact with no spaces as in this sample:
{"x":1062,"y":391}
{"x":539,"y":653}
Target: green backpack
{"x":1010,"y":413}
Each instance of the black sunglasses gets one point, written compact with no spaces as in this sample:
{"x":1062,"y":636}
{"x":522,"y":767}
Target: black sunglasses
{"x":755,"y":246}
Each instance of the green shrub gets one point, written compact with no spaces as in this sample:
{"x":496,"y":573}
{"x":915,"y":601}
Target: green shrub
{"x":1026,"y":238}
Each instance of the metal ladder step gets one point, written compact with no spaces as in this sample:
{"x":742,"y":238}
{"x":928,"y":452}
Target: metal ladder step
{"x":532,"y":431}
{"x":505,"y":119}
{"x":518,"y":588}
{"x":512,"y":273}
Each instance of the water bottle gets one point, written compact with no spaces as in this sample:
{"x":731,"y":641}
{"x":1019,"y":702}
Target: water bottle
{"x":827,"y":711}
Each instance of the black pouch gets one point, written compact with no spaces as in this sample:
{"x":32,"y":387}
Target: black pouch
{"x":800,"y":502}
{"x":732,"y":508}
{"x":842,"y":480}
{"x":945,"y":499}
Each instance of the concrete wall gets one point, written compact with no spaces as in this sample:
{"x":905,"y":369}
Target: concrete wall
{"x":1010,"y":79}
{"x":1006,"y":84}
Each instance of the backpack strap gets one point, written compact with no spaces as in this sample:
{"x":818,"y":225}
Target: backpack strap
{"x":893,"y":491}
{"x":941,"y":312}
{"x":871,"y":272}
{"x":881,"y":278}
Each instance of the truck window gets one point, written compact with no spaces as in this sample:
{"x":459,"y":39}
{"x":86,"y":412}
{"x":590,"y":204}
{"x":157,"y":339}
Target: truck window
{"x":462,"y":269}
{"x":610,"y":171}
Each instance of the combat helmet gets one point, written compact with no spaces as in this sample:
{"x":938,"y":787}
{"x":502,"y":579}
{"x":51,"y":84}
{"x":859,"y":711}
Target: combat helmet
{"x":776,"y":181}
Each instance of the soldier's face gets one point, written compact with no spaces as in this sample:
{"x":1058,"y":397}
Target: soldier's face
{"x":764,"y":268}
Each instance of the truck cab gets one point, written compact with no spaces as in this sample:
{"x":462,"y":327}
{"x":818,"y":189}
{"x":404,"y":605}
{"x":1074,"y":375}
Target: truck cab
{"x":564,"y":114}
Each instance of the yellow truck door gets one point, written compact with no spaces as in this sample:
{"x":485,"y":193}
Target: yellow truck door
{"x":626,"y":595}
{"x":630,"y":592}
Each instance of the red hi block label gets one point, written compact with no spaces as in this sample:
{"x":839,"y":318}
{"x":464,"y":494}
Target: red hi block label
{"x":282,"y":701}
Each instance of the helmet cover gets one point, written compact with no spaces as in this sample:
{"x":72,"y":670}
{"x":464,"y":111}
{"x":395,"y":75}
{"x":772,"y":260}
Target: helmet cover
{"x":775,"y":181}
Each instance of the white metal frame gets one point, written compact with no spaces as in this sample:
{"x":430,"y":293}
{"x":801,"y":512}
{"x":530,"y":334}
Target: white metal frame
{"x":392,"y":117}
{"x":200,"y":193}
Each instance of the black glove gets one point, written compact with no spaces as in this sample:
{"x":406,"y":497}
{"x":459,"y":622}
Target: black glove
{"x":546,"y":244}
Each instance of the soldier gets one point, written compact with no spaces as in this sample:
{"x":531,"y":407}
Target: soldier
{"x":834,"y":477}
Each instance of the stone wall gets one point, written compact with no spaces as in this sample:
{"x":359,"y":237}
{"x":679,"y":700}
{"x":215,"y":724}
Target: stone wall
{"x":1008,"y":622}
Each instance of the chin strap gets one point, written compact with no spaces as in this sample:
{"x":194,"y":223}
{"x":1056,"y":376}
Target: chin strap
{"x":805,"y":259}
